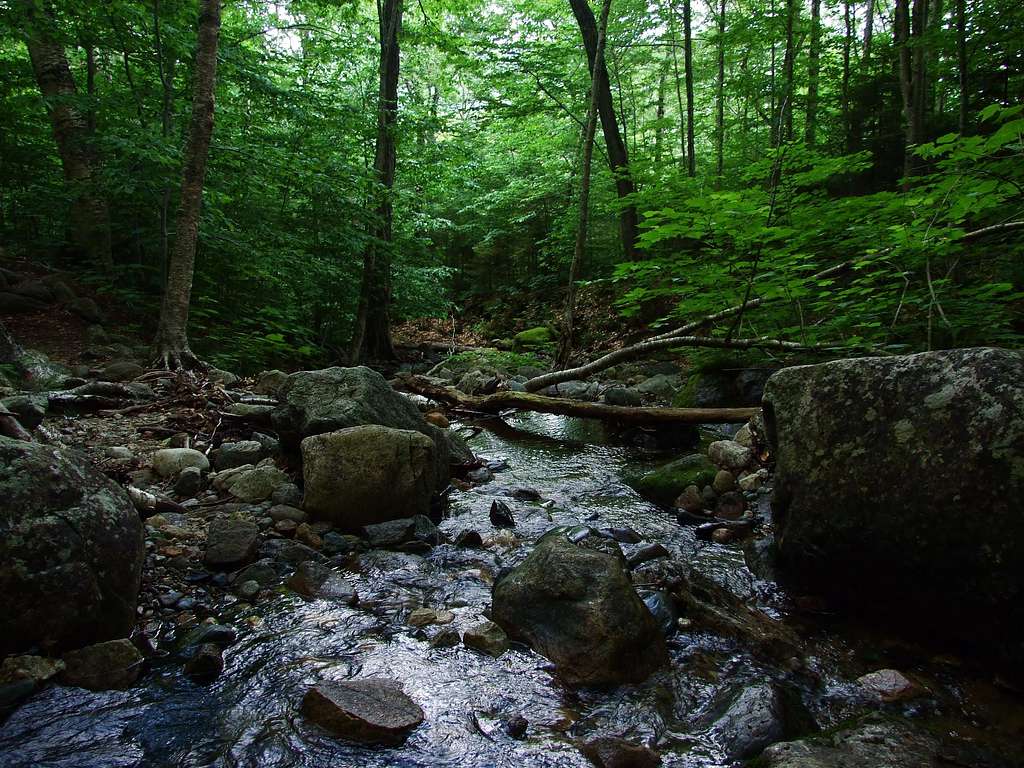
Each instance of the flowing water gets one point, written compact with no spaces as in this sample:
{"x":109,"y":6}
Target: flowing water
{"x":249,"y":717}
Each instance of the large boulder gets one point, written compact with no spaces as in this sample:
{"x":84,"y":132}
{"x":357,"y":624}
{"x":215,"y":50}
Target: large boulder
{"x":71,"y":551}
{"x":315,"y":402}
{"x":900,"y":482}
{"x":663,"y":484}
{"x":577,"y":606}
{"x":368,"y":474}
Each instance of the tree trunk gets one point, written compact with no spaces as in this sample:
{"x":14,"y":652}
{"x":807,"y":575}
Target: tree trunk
{"x":813,"y":68}
{"x":565,"y":342}
{"x":172,"y":345}
{"x":503,"y":401}
{"x":869,"y":33}
{"x":89,"y":216}
{"x":618,"y":157}
{"x":372,"y":335}
{"x":908,"y":29}
{"x":679,"y":88}
{"x":847,"y":49}
{"x":961,"y":60}
{"x":786,"y":107}
{"x":720,"y":95}
{"x":691,"y":157}
{"x":659,"y":131}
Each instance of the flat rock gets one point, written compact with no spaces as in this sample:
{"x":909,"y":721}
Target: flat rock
{"x":230,"y":543}
{"x":370,"y":711}
{"x":486,"y":637}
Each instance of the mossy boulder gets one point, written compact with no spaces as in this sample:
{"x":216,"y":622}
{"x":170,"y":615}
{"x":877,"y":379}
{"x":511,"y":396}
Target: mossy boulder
{"x":71,"y":551}
{"x":664,"y":484}
{"x":900,"y":484}
{"x":534,"y":338}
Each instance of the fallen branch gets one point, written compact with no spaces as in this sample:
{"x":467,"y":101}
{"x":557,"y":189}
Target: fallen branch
{"x":531,"y":402}
{"x":666,"y":342}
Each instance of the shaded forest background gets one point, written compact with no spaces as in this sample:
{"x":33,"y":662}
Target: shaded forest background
{"x":759,"y":143}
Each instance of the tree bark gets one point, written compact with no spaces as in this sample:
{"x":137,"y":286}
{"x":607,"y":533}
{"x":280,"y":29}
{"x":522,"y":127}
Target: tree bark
{"x":566,"y":342}
{"x":961,"y":60}
{"x":691,"y":157}
{"x":89,"y":216}
{"x":172,"y":344}
{"x":502,"y":401}
{"x":789,"y":58}
{"x":720,"y":95}
{"x":909,"y":24}
{"x":618,"y":157}
{"x":847,"y":51}
{"x":813,"y":69}
{"x":869,"y":33}
{"x":372,"y":334}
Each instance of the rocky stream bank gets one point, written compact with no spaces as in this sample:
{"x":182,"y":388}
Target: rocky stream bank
{"x":314,"y":569}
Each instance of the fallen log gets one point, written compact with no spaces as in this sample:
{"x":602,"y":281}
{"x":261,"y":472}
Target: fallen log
{"x":526,"y":401}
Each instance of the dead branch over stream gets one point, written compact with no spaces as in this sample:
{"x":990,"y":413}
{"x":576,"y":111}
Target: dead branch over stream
{"x":527,"y":401}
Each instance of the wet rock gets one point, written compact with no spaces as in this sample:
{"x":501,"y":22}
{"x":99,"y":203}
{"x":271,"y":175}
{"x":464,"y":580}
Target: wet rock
{"x":753,"y":720}
{"x":889,"y":685}
{"x":754,"y":481}
{"x":263,"y":573}
{"x":168,"y":462}
{"x":371,"y":711}
{"x":872,"y":742}
{"x":444,"y":637}
{"x":723,"y":536}
{"x":469,"y":539}
{"x":760,"y":556}
{"x":30,"y":409}
{"x":730,"y":455}
{"x":313,"y":580}
{"x":879,"y":464}
{"x":217,"y":634}
{"x":516,"y":727}
{"x":663,"y":385}
{"x":315,"y":402}
{"x":231,"y":455}
{"x":646,"y":553}
{"x":103,"y":666}
{"x":257,"y":484}
{"x":206,"y":664}
{"x":622,"y":396}
{"x":305,"y":534}
{"x":283,"y":512}
{"x":663,"y":609}
{"x":480,"y":475}
{"x":288,"y":551}
{"x":396,"y":533}
{"x":230,"y":544}
{"x":248,"y":590}
{"x":611,"y":752}
{"x":578,"y":607}
{"x":71,"y":550}
{"x":486,"y":637}
{"x":501,"y":516}
{"x":287,"y":494}
{"x":690,"y":500}
{"x":621,"y":535}
{"x":189,"y":482}
{"x":421,"y":617}
{"x":437,"y":418}
{"x":368,"y":474}
{"x":286,"y":527}
{"x":341,"y":544}
{"x":724,"y":481}
{"x":730,"y":506}
{"x":36,"y":669}
{"x":664,"y":484}
{"x":270,"y":382}
{"x":526,"y":494}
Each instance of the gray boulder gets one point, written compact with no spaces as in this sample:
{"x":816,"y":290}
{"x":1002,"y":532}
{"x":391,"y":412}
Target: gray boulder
{"x":30,"y":409}
{"x":402,"y":532}
{"x":371,"y":711}
{"x":231,"y":544}
{"x":900,"y":483}
{"x":623,"y":396}
{"x":103,"y":666}
{"x":167,"y":462}
{"x":231,"y":455}
{"x":368,"y":474}
{"x":70,"y":554}
{"x":577,"y":606}
{"x":315,"y":402}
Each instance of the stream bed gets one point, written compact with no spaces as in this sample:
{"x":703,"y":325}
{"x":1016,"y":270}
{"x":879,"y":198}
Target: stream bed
{"x":250,"y":716}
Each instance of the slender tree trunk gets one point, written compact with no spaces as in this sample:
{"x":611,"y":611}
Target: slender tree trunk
{"x":618,"y":157}
{"x":372,"y":334}
{"x":165,"y":67}
{"x":678,"y":82}
{"x":691,"y":157}
{"x":172,"y":335}
{"x":847,"y":52}
{"x":787,"y":72}
{"x":720,"y":94}
{"x":565,"y":342}
{"x":659,"y":131}
{"x":869,"y":34}
{"x":813,"y":69}
{"x":961,"y":60}
{"x":89,"y":215}
{"x":908,"y":26}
